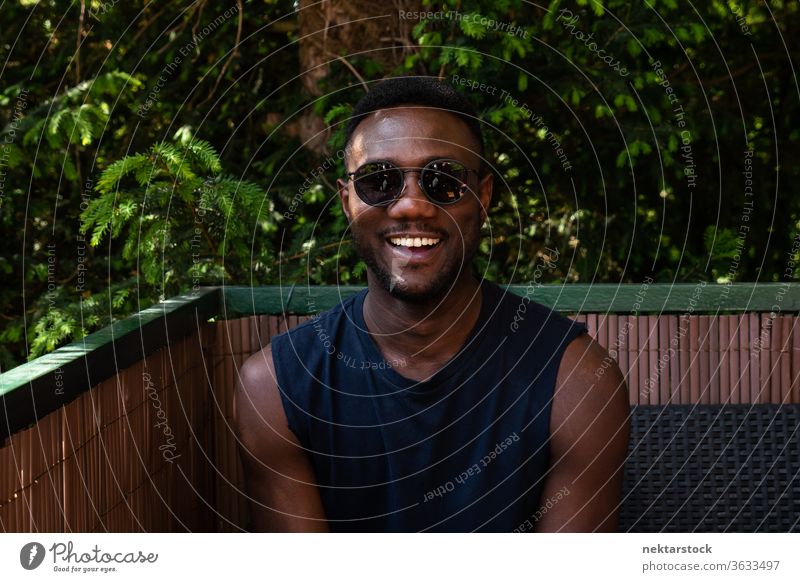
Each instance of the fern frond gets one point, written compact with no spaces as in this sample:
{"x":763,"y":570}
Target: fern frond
{"x":175,"y":160}
{"x":34,"y":133}
{"x":205,"y":153}
{"x":56,"y":120}
{"x":111,"y":177}
{"x":122,"y":215}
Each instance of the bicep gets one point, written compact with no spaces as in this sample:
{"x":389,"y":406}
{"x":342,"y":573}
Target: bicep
{"x":588,"y":442}
{"x":279,"y":477}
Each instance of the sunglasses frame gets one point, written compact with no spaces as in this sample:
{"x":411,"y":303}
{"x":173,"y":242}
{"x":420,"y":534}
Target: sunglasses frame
{"x":404,"y":171}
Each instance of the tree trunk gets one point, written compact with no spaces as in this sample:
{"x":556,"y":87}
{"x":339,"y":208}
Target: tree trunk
{"x":339,"y":29}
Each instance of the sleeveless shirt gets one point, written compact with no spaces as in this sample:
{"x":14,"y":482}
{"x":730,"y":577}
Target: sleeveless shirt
{"x":465,"y":450}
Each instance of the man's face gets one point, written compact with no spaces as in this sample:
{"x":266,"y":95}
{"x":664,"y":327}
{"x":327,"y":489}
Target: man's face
{"x":384,"y":237}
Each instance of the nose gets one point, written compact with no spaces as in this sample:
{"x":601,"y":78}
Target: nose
{"x":413,"y":203}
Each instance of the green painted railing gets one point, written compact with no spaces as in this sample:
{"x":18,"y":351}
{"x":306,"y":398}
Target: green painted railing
{"x":37,"y":388}
{"x":578,"y":298}
{"x":41,"y":386}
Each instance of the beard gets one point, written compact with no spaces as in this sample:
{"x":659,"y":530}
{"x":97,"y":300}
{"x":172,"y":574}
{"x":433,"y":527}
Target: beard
{"x":390,"y":277}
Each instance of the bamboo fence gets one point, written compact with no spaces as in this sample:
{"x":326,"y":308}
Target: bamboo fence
{"x":103,"y":462}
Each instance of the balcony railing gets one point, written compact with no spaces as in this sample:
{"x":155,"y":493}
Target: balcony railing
{"x":129,"y":429}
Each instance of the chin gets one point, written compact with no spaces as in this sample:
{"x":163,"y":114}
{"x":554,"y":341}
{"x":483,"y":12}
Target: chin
{"x":417,"y":290}
{"x":409,"y":284}
{"x":415,"y":293}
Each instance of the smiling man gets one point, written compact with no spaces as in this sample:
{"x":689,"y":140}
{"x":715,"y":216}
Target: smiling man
{"x":433,"y":400}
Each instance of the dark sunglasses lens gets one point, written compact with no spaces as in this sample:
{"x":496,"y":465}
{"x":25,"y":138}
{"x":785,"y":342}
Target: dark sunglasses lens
{"x":444,"y":181}
{"x":378,"y":183}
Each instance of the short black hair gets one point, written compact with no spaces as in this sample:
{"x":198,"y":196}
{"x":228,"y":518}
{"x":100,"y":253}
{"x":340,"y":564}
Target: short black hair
{"x":427,"y":91}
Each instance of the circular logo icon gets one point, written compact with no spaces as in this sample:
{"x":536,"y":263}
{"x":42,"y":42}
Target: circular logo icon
{"x":31,"y":555}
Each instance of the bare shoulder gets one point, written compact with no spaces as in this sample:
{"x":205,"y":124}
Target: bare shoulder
{"x":279,"y":477}
{"x":588,"y":374}
{"x":258,"y":411}
{"x":589,"y":427}
{"x":590,"y":397}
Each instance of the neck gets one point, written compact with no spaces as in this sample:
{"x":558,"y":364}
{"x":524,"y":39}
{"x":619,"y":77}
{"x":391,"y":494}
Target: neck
{"x":425,"y":335}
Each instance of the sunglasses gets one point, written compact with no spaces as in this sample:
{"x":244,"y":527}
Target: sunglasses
{"x":381,"y":183}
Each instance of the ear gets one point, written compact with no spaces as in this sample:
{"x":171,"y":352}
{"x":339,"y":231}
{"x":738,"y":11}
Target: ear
{"x":344,"y":198}
{"x":485,"y":187}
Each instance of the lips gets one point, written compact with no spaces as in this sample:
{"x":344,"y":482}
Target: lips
{"x":409,"y":249}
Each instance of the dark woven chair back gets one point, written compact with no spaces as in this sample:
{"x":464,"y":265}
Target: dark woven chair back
{"x":732,"y":468}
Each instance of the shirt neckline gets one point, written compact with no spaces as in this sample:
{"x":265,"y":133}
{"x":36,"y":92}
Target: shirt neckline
{"x":396,"y":382}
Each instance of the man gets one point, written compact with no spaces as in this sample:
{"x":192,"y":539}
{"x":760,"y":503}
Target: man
{"x":432,"y":401}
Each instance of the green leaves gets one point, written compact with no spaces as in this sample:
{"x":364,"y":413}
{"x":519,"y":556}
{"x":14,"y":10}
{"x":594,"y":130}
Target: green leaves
{"x":173,"y":206}
{"x":462,"y":57}
{"x":595,"y":5}
{"x":580,"y":149}
{"x":472,"y":26}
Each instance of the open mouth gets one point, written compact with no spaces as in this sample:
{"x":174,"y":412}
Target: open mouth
{"x":414,"y":242}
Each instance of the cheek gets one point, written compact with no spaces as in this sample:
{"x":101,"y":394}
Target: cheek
{"x":467,"y":220}
{"x":362,"y":217}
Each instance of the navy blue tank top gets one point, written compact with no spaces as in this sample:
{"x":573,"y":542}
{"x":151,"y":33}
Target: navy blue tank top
{"x":466,"y":450}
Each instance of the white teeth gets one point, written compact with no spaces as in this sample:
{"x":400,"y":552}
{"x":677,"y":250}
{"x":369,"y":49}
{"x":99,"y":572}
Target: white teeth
{"x":405,"y":241}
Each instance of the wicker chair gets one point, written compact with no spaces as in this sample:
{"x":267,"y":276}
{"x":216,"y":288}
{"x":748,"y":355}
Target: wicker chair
{"x":723,"y":468}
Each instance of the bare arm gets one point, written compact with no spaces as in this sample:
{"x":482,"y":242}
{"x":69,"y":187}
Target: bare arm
{"x":589,"y":429}
{"x":278,"y":474}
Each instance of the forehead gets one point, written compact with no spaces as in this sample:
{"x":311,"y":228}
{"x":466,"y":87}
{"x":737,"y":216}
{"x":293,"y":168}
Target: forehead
{"x":409,"y":134}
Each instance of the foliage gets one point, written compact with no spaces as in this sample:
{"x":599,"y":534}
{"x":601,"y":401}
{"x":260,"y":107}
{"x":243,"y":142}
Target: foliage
{"x":642,"y":190}
{"x":173,"y":204}
{"x":166,"y":151}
